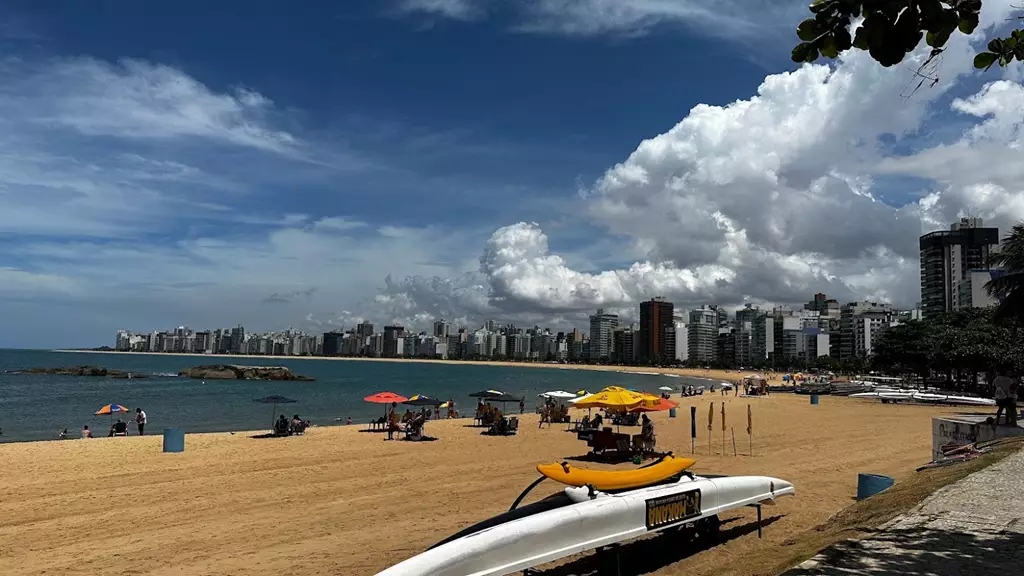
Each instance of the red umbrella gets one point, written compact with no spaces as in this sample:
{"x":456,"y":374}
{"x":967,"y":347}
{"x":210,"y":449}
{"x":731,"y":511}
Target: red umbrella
{"x":661,"y":404}
{"x":385,"y":398}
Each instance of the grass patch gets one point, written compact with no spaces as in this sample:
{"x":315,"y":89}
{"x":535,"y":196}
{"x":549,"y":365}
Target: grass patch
{"x":863,"y":518}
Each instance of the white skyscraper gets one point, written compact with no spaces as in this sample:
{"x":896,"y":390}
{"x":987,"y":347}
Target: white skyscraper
{"x":602,"y":328}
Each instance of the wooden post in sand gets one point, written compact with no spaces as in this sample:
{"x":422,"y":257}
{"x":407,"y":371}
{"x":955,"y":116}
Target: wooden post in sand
{"x":733,"y":432}
{"x":750,"y":430}
{"x":711,"y":419}
{"x":723,"y":428}
{"x":693,"y":427}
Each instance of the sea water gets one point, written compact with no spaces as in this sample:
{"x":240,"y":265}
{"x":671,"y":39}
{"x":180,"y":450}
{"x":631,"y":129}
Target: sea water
{"x":38,"y":407}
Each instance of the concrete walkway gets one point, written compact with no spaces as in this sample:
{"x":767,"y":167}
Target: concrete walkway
{"x":975,"y":526}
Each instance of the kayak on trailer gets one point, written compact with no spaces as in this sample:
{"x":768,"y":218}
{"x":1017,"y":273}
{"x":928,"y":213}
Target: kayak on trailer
{"x":607,"y":480}
{"x":578,"y":519}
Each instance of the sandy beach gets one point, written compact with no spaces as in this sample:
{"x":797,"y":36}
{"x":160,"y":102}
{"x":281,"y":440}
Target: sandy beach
{"x":342,"y":501}
{"x":717,"y":375}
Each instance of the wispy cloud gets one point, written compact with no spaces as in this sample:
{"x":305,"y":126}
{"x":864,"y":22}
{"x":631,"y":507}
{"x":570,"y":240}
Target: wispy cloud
{"x":736,"y":19}
{"x":454,"y":9}
{"x":135,"y":99}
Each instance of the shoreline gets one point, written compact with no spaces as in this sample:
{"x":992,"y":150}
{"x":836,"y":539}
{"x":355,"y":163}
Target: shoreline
{"x":709,"y":375}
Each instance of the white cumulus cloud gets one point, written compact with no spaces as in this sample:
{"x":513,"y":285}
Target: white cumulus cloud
{"x":784,"y":194}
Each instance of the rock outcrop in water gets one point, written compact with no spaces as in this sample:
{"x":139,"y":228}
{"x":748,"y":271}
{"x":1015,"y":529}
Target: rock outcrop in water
{"x":94,"y":371}
{"x":235,"y":372}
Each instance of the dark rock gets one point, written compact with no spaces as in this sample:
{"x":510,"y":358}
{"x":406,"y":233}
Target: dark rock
{"x":235,"y":372}
{"x":95,"y":371}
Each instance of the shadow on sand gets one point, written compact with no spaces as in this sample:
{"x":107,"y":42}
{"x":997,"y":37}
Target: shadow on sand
{"x":610,"y":457}
{"x":923,"y":551}
{"x":650,"y":554}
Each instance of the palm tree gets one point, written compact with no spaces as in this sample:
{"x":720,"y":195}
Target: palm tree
{"x":1008,"y":286}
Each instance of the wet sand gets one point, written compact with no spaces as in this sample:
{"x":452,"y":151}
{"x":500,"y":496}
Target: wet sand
{"x":342,"y":501}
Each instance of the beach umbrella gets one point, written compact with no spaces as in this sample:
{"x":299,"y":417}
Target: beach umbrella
{"x":558,"y":395}
{"x":503,"y":399}
{"x":421,"y":400}
{"x":667,"y":388}
{"x":110,"y":410}
{"x":275,"y":400}
{"x":385,"y":398}
{"x":613,"y":397}
{"x":486,"y":394}
{"x":661,"y":404}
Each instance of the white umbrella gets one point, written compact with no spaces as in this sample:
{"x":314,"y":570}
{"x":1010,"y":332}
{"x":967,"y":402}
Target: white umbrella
{"x":558,"y":394}
{"x":667,"y":388}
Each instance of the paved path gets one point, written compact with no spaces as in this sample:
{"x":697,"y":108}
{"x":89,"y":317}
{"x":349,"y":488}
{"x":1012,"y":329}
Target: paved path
{"x":975,"y":526}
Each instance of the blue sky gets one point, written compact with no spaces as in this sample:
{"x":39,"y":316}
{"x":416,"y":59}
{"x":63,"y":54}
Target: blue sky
{"x":211,"y":163}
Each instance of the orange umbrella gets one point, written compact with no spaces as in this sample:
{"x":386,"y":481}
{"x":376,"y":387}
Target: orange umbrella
{"x":385,"y":398}
{"x":655,"y":406}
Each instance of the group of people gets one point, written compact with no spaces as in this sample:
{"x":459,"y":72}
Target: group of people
{"x":551,"y":412}
{"x":119,"y":428}
{"x":410,"y":422}
{"x":285,"y":427}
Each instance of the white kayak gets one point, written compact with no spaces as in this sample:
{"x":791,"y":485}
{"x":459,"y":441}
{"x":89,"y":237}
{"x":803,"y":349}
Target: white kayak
{"x":580,"y":519}
{"x":924,"y":397}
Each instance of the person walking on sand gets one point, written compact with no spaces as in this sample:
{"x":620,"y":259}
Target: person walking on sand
{"x":140,"y":420}
{"x":1001,"y":392}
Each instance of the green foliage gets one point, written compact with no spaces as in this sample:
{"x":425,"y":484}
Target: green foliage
{"x":967,"y":342}
{"x":891,"y":29}
{"x":1007,"y":288}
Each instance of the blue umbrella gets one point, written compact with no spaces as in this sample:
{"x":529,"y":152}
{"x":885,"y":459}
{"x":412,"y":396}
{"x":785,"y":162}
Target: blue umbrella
{"x":275,"y":400}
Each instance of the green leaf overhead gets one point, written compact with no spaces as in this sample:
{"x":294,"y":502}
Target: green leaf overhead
{"x":892,"y":29}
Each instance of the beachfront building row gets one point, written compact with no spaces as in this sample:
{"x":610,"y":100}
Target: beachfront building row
{"x":705,"y":336}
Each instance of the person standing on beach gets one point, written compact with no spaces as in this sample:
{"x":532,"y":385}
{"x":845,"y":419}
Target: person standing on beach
{"x":522,"y":406}
{"x":140,"y":420}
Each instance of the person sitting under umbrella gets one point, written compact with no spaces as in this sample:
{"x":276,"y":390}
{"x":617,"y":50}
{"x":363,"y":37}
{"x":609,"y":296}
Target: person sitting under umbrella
{"x":281,"y":426}
{"x":120,"y":428}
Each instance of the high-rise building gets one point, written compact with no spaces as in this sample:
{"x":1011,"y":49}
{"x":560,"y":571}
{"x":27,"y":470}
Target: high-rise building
{"x":860,"y":325}
{"x":948,"y":257}
{"x":702,"y":335}
{"x":441,"y":329}
{"x":364,"y":329}
{"x":332,"y":345}
{"x":655,"y":321}
{"x":392,"y":335}
{"x":602,"y":328}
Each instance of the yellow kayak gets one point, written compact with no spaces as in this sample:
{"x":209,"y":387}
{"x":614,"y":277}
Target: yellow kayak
{"x":616,"y":479}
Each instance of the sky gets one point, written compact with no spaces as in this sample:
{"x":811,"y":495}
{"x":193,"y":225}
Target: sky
{"x":311,"y":166}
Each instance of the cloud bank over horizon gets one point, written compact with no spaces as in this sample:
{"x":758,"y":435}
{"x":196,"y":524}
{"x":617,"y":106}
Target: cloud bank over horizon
{"x":137,"y":196}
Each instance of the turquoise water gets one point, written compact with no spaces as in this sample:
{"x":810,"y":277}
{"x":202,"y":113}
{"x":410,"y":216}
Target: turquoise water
{"x":37,"y":407}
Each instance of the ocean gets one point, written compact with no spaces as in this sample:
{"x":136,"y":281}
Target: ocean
{"x":38,"y":407}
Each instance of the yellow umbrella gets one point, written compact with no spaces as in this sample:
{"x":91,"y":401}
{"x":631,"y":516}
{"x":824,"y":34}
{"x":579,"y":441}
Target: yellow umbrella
{"x":614,"y":397}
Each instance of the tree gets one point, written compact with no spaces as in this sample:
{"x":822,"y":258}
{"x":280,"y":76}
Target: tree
{"x":891,"y":29}
{"x":1006,"y":287}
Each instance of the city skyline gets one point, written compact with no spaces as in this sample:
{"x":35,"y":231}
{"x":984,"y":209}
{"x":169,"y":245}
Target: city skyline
{"x":706,"y":336}
{"x":163,"y":165}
